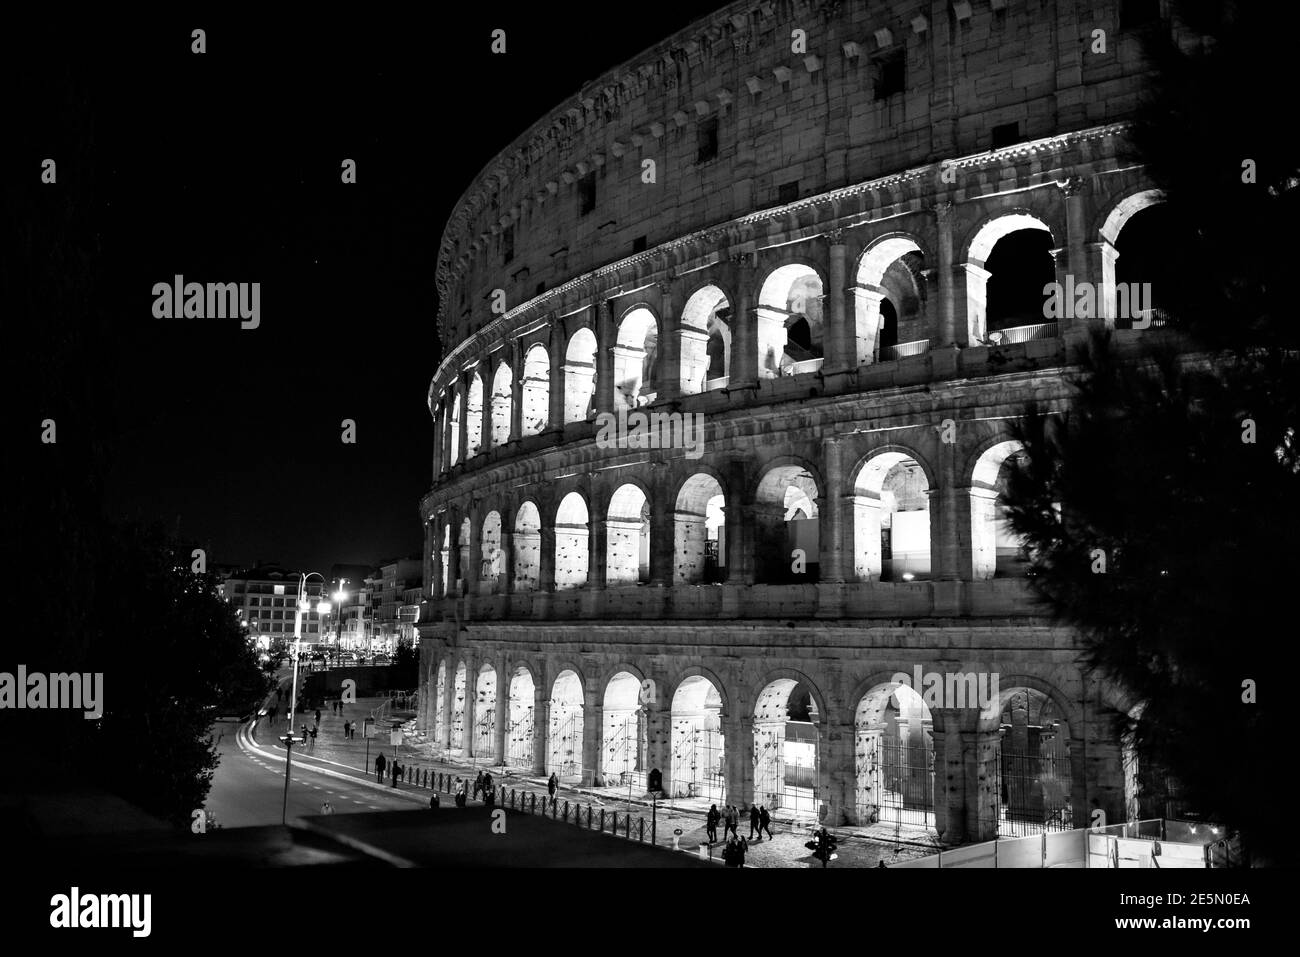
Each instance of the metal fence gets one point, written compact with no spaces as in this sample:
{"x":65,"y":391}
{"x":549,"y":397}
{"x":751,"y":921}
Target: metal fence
{"x":525,"y":801}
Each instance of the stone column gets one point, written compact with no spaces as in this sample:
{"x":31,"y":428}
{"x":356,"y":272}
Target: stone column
{"x":516,"y":390}
{"x":832,"y":558}
{"x":437,"y":441}
{"x":463,"y":437}
{"x":541,"y":725}
{"x":507,"y":551}
{"x":738,"y":745}
{"x":593,"y":730}
{"x":841,"y":354}
{"x":485,"y":431}
{"x":597,"y":547}
{"x":426,"y":565}
{"x":448,"y":691}
{"x":739,"y":521}
{"x":471,"y":574}
{"x":471,"y":702}
{"x":437,"y":523}
{"x":979,"y":758}
{"x":546,"y":570}
{"x":502,"y":717}
{"x":837,"y":773}
{"x":452,"y":518}
{"x":555,"y":350}
{"x":669,"y":371}
{"x":606,"y":339}
{"x":663,"y":516}
{"x":948,"y":332}
{"x":744,"y":334}
{"x":445,"y":436}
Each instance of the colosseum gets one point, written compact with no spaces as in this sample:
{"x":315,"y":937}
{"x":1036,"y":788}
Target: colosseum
{"x":822,"y":231}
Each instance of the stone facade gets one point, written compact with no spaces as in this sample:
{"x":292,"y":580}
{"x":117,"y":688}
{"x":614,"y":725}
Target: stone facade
{"x":856,"y":379}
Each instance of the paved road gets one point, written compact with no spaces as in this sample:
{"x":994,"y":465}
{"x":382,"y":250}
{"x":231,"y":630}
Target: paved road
{"x":248,"y":786}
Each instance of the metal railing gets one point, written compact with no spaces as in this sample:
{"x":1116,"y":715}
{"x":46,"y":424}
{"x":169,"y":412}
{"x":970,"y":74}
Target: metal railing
{"x":1019,"y":334}
{"x":918,"y":347}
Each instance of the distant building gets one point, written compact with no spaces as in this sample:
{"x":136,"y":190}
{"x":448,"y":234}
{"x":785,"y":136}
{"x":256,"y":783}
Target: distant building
{"x":397,"y":585}
{"x":265,"y":599}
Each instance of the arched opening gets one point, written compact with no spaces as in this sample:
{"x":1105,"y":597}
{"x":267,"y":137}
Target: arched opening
{"x":787,"y":749}
{"x":634,"y":359}
{"x":705,"y":341}
{"x":1009,"y":267}
{"x":474,"y":424}
{"x":889,"y":301}
{"x":894,"y":758}
{"x":1146,"y":268}
{"x":699,"y":532}
{"x":485,"y":713}
{"x":699,"y":761}
{"x":891,"y":520}
{"x":439,"y":703}
{"x":580,"y":376}
{"x":571,"y":554}
{"x":790,"y":323}
{"x":537,"y":391}
{"x":502,"y":402}
{"x":458,"y":701}
{"x":492,"y":568}
{"x":445,"y":555}
{"x":996,"y":550}
{"x":627,"y":537}
{"x":463,"y":555}
{"x":519,"y":731}
{"x":624,"y":738}
{"x":564,"y":742}
{"x":786,"y":533}
{"x":528,"y":547}
{"x":1033,"y":765}
{"x":455,"y":429}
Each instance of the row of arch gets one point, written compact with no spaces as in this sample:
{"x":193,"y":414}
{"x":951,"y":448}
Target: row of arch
{"x":1010,"y":260}
{"x":888,"y":532}
{"x":688,"y":737}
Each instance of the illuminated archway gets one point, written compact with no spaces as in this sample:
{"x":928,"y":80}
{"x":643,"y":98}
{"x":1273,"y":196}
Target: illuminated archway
{"x":627,"y":537}
{"x":564,"y":741}
{"x":894,"y":758}
{"x":634,"y":359}
{"x":787,"y":535}
{"x":519,"y":730}
{"x":528,"y":547}
{"x":699,"y":532}
{"x":485,"y":712}
{"x":787,"y":744}
{"x":705,"y":341}
{"x":790,"y":321}
{"x":891,"y":519}
{"x":572,"y":557}
{"x":624,"y":737}
{"x":996,"y":550}
{"x":580,"y":376}
{"x":698,"y":753}
{"x":502,"y":403}
{"x":536,"y":392}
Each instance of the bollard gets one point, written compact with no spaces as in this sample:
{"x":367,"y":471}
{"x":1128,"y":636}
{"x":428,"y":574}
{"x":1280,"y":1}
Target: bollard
{"x":602,"y":819}
{"x":555,"y":807}
{"x":627,"y":830}
{"x":533,"y":808}
{"x":641,"y":830}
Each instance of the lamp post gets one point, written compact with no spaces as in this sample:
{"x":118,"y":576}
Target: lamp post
{"x":340,"y":597}
{"x":304,"y":607}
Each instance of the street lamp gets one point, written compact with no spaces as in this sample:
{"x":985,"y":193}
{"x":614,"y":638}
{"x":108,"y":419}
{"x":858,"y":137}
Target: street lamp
{"x":304,"y":606}
{"x":340,"y":597}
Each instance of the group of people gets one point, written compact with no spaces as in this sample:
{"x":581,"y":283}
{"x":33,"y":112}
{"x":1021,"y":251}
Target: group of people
{"x":759,"y":821}
{"x":394,"y":768}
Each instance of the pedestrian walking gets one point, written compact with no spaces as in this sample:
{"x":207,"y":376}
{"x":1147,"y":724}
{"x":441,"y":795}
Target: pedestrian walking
{"x":325,"y":808}
{"x":318,"y":715}
{"x":433,"y":801}
{"x":764,"y":822}
{"x":487,"y":781}
{"x":396,"y":770}
{"x":711,"y":824}
{"x":380,"y":763}
{"x":754,"y":826}
{"x":729,"y":853}
{"x":552,"y":784}
{"x":313,"y":735}
{"x":742,"y":847}
{"x":478,"y":784}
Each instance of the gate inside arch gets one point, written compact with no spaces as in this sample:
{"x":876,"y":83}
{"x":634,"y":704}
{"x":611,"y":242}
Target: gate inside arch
{"x":786,"y":749}
{"x":894,"y":757}
{"x":1034,"y":779}
{"x":698,"y":760}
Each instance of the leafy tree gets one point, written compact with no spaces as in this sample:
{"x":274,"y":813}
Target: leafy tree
{"x":406,"y":664}
{"x":1162,"y":510}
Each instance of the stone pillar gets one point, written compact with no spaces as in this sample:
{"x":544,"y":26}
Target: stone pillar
{"x":471,"y":574}
{"x":663,"y":516}
{"x":507,"y":551}
{"x":948,"y":332}
{"x":556,"y":350}
{"x":606,"y":339}
{"x":546,"y":571}
{"x":502,"y":712}
{"x":597,"y":539}
{"x":979,"y":758}
{"x":738,"y":744}
{"x":593,"y":731}
{"x":452,"y":518}
{"x":669,"y":384}
{"x":832,"y":558}
{"x":867,"y":324}
{"x":485,"y":430}
{"x":744,"y":333}
{"x":471,"y":702}
{"x":448,"y":690}
{"x":437,"y":441}
{"x":739,"y":521}
{"x":837,"y":773}
{"x":541,"y":725}
{"x":463,"y":438}
{"x":516,"y":390}
{"x":841,"y":355}
{"x":426,"y":565}
{"x":659,"y":750}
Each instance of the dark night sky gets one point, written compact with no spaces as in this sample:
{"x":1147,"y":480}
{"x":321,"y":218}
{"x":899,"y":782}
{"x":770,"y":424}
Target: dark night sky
{"x":225,"y":168}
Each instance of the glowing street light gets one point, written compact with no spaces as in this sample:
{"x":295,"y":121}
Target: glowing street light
{"x":304,"y":607}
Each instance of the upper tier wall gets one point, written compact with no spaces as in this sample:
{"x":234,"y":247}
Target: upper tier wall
{"x":788,"y":124}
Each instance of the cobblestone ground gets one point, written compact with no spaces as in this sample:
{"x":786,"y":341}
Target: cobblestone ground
{"x":857,"y":848}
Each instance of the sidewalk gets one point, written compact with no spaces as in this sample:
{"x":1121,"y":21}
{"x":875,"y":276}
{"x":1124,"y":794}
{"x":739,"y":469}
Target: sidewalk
{"x":857,"y":847}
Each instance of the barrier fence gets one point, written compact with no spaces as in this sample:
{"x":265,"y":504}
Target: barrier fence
{"x":525,"y":801}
